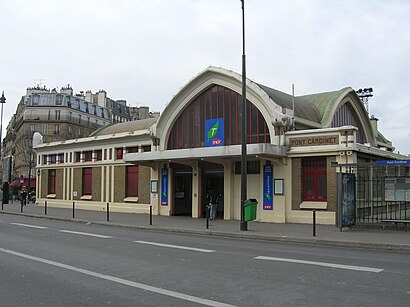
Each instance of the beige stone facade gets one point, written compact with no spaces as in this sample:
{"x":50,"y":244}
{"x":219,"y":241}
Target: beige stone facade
{"x":177,"y":171}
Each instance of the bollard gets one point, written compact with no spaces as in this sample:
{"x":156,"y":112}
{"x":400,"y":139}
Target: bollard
{"x":73,"y":209}
{"x":150,"y":215}
{"x":108,"y":212}
{"x":45,"y":207}
{"x":2,"y":205}
{"x":21,"y":206}
{"x":207,"y":217}
{"x":314,"y":223}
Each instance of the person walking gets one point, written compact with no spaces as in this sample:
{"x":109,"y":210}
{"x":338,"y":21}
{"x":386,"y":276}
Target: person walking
{"x":213,"y":198}
{"x":23,"y":195}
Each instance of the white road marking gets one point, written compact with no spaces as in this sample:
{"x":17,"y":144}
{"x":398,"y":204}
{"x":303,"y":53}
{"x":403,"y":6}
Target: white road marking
{"x":325,"y":264}
{"x":177,"y":295}
{"x":31,"y":226}
{"x":178,"y":247}
{"x":86,"y":234}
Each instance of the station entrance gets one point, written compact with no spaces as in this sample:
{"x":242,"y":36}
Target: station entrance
{"x":182,"y":192}
{"x":213,"y":185}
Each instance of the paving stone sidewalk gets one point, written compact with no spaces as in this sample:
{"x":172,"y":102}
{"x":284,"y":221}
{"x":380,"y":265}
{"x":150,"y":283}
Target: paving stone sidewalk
{"x":373,"y":238}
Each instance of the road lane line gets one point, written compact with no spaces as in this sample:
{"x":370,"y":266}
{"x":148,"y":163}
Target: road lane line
{"x":86,"y":234}
{"x":178,"y":247}
{"x":325,"y":264}
{"x":133,"y":284}
{"x":31,"y":226}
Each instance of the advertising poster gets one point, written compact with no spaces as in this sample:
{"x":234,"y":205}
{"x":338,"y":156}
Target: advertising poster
{"x":397,"y":189}
{"x":348,"y":201}
{"x":214,"y":132}
{"x":267,"y":187}
{"x":164,"y":187}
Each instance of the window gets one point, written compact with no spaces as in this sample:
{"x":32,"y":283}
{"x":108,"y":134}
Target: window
{"x":119,"y":152}
{"x":36,"y":99}
{"x":314,"y":179}
{"x":52,"y":181}
{"x":58,"y":114}
{"x":146,"y":148}
{"x":188,"y":130}
{"x":32,"y":128}
{"x":98,"y":155}
{"x":53,"y":159}
{"x":79,"y":119}
{"x":45,"y":129}
{"x":132,"y":181}
{"x":77,"y":156}
{"x":59,"y":100}
{"x":44,"y":159}
{"x":61,"y":158}
{"x":87,"y":181}
{"x":132,"y":149}
{"x":57,"y":129}
{"x":88,"y":156}
{"x":70,"y":116}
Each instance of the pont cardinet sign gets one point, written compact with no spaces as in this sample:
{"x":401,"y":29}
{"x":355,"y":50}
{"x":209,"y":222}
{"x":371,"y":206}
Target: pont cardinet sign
{"x":314,"y":141}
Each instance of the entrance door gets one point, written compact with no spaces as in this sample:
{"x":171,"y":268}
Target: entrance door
{"x":183,"y":193}
{"x":213,"y":184}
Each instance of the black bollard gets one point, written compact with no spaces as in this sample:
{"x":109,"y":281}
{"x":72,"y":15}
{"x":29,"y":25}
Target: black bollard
{"x":2,"y":205}
{"x":150,"y":215}
{"x":45,"y":207}
{"x":21,"y":206}
{"x":73,"y":209}
{"x":207,"y":217}
{"x":108,"y":212}
{"x":314,"y":223}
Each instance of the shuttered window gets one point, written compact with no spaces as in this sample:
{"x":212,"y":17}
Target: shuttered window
{"x":52,"y":181}
{"x":132,"y":181}
{"x":87,"y":181}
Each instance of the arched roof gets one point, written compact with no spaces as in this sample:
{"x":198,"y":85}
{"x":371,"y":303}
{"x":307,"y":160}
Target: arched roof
{"x":314,"y":110}
{"x":125,"y":127}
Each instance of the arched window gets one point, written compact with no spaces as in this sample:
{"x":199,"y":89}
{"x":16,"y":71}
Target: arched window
{"x":188,"y":130}
{"x":344,"y":116}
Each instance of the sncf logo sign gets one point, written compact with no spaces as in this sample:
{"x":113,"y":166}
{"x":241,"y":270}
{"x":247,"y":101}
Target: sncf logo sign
{"x":214,"y":132}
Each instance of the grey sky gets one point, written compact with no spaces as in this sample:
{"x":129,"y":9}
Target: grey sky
{"x":144,"y":51}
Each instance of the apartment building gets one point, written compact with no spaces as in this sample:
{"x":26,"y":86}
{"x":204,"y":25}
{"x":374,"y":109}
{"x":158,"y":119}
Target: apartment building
{"x":58,"y":116}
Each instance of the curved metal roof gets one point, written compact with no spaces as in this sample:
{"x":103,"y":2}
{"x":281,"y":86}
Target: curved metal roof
{"x":125,"y":127}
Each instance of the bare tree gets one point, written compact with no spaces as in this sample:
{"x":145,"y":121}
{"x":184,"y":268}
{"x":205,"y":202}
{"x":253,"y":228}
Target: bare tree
{"x":24,"y":154}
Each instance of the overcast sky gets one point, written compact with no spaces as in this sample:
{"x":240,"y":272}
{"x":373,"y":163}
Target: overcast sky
{"x":144,"y":51}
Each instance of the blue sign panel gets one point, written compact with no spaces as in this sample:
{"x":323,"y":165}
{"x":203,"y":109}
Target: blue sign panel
{"x":164,"y":187}
{"x":214,"y":132}
{"x":392,"y":162}
{"x":348,"y":201}
{"x":267,"y":188}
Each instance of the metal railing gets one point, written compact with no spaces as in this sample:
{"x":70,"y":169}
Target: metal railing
{"x":371,"y":206}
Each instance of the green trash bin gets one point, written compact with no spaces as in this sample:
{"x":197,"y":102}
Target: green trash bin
{"x":249,"y":209}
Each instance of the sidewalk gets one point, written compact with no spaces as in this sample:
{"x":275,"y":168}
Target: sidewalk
{"x":388,"y":239}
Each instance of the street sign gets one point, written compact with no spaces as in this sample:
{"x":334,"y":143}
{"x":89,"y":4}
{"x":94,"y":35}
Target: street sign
{"x":392,"y":162}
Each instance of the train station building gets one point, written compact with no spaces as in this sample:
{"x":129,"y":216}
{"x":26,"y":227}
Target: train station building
{"x":194,"y":149}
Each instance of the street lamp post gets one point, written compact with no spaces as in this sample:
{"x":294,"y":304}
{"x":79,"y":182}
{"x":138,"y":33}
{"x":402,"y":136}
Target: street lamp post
{"x":2,"y":102}
{"x":244,"y":224}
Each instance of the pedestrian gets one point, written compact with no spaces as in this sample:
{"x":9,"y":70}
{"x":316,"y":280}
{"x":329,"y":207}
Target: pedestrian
{"x":23,"y":195}
{"x":212,"y":199}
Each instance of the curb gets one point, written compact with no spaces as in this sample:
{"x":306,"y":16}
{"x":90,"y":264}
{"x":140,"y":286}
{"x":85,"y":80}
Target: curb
{"x":246,"y":236}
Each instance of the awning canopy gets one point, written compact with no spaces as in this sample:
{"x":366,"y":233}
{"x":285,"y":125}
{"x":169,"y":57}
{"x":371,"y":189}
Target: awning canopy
{"x":16,"y":183}
{"x":227,"y":152}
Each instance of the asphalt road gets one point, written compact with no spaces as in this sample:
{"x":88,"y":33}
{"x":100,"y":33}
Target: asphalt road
{"x":56,"y":263}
